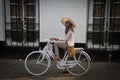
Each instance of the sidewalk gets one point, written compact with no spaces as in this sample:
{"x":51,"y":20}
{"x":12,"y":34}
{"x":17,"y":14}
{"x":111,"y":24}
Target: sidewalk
{"x":13,"y":69}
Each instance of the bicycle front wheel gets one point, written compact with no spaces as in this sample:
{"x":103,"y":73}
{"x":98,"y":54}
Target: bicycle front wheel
{"x":37,"y":63}
{"x":81,"y":64}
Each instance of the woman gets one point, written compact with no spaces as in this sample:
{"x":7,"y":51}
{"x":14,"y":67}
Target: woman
{"x":69,"y":37}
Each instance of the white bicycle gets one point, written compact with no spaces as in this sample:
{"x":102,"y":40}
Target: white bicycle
{"x":38,"y":62}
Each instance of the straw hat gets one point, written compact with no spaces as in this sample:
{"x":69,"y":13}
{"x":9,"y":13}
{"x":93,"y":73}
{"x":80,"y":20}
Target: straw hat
{"x":64,"y":19}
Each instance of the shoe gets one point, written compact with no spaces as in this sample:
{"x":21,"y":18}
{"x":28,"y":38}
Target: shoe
{"x":65,"y":72}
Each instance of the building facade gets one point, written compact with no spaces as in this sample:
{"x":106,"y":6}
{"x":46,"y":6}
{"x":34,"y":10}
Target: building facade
{"x":29,"y":22}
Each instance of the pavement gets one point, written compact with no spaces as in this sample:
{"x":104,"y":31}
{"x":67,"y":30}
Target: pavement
{"x":13,"y":69}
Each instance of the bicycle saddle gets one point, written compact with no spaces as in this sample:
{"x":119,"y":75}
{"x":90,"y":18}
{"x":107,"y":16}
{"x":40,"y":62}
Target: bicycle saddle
{"x":79,"y":49}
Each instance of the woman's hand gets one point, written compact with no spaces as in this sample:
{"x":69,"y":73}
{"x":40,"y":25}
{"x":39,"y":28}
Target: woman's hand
{"x":56,"y":39}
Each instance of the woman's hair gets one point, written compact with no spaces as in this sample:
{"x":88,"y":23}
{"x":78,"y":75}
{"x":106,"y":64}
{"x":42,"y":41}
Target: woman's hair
{"x":70,"y":24}
{"x":69,"y":27}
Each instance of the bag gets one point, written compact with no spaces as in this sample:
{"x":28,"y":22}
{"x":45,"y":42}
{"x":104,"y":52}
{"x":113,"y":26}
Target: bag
{"x":71,"y":51}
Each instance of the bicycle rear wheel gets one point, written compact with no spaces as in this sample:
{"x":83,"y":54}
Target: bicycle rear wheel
{"x":37,"y":63}
{"x":81,"y":64}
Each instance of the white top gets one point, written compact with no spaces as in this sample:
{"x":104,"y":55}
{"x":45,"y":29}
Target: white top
{"x":69,"y":38}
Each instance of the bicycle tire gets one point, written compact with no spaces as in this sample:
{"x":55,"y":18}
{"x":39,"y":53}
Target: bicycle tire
{"x":82,"y":61}
{"x":37,"y":63}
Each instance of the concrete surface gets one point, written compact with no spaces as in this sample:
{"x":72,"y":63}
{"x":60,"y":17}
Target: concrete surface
{"x":13,"y":69}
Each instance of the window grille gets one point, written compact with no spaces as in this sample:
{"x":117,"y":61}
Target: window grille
{"x":22,"y":22}
{"x":104,"y":24}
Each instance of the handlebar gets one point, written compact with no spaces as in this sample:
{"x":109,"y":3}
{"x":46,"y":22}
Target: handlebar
{"x":51,"y":40}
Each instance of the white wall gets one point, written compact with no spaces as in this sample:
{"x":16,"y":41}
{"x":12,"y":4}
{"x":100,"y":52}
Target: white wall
{"x":51,"y":13}
{"x":2,"y":26}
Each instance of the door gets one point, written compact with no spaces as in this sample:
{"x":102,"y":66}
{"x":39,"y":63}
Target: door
{"x":22,"y":23}
{"x":104,"y":27}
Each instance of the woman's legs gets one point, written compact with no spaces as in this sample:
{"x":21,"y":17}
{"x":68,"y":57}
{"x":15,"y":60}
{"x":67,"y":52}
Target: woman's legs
{"x":57,"y":46}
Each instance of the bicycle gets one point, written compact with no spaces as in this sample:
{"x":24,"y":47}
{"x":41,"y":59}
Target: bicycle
{"x":38,"y":62}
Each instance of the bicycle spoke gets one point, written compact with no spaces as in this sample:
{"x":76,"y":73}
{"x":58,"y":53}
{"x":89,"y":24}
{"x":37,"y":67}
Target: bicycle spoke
{"x":79,"y":57}
{"x":39,"y":58}
{"x":43,"y":64}
{"x":82,"y":67}
{"x":84,"y":59}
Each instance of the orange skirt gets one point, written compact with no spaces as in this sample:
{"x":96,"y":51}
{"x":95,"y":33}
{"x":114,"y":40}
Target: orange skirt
{"x":71,"y":51}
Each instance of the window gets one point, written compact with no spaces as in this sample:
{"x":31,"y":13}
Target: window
{"x":22,"y":23}
{"x":104,"y":24}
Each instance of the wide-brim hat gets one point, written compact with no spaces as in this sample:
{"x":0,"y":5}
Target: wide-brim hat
{"x":64,"y":19}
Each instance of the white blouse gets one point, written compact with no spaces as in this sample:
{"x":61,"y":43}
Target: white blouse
{"x":69,"y":38}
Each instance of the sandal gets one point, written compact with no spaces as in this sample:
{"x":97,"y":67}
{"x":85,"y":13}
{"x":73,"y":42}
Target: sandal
{"x":57,"y":58}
